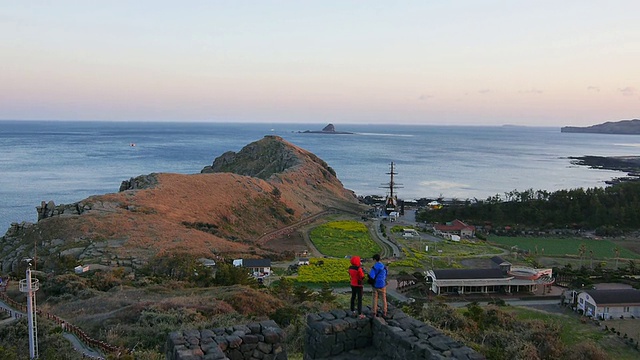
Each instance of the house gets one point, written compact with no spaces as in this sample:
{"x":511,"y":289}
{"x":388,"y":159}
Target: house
{"x":208,"y":263}
{"x":303,"y":261}
{"x":257,"y":267}
{"x":609,"y":304}
{"x":499,"y":263}
{"x":456,"y":227}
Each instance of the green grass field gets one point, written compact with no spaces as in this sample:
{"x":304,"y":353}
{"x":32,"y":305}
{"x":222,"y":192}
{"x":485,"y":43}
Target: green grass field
{"x":344,"y":238}
{"x":565,"y":247}
{"x":574,"y":332}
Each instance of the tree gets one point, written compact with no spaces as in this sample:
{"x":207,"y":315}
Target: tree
{"x":326,"y":294}
{"x":582,"y":249}
{"x":228,"y":274}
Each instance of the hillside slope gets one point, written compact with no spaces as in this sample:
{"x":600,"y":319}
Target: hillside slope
{"x":628,"y":127}
{"x":222,"y":211}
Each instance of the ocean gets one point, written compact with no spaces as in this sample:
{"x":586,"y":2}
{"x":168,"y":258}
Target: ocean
{"x":69,"y":161}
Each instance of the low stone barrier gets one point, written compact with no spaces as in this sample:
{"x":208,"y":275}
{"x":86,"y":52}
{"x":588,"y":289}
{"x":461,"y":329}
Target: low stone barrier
{"x":397,"y":336}
{"x":335,"y":332}
{"x":260,"y":340}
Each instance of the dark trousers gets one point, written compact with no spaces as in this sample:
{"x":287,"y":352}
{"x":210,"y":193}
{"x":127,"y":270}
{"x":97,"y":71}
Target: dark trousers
{"x":356,"y":291}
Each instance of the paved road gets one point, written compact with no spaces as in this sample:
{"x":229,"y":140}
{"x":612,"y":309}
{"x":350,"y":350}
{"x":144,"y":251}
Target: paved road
{"x":80,"y":347}
{"x":389,"y":245}
{"x":12,"y":312}
{"x":77,"y":344}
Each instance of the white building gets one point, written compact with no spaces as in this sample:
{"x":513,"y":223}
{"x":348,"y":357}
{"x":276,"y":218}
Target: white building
{"x":609,"y":304}
{"x":257,"y":267}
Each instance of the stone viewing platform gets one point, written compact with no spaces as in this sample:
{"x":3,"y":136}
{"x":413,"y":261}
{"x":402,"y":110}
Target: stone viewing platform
{"x":334,"y":335}
{"x":260,"y":340}
{"x":337,"y":335}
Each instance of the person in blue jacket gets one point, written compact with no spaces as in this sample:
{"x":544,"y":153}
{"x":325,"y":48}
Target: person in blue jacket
{"x":379,"y":273}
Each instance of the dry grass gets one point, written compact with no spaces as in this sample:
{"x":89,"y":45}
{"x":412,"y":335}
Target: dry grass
{"x":239,"y":208}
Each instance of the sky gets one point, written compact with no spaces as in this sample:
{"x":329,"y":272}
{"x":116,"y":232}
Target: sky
{"x":480,"y":62}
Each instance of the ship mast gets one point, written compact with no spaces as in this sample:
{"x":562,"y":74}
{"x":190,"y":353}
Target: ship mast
{"x":391,"y":203}
{"x":391,"y":185}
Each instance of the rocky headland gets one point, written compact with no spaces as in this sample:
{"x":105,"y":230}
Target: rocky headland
{"x":625,"y":127}
{"x":628,"y":164}
{"x":225,"y":211}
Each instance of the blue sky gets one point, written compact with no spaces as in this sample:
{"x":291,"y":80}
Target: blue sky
{"x":418,"y":62}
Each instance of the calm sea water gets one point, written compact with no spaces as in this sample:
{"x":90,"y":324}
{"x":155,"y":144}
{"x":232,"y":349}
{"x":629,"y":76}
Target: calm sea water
{"x":69,"y":161}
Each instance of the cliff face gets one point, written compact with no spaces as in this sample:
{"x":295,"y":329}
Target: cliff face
{"x":223,"y":211}
{"x":630,"y":127}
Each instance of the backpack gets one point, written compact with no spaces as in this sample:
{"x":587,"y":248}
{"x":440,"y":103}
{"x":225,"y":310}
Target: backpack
{"x":371,"y":280}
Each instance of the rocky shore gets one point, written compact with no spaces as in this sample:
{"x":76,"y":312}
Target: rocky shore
{"x":629,"y":164}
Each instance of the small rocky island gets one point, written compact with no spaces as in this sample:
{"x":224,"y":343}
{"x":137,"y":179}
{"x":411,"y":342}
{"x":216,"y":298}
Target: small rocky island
{"x":329,"y":129}
{"x":624,"y":127}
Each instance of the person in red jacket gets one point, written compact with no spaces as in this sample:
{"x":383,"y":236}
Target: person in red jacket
{"x":357,"y":283}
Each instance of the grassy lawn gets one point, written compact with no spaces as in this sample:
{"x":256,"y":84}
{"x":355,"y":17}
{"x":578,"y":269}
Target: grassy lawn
{"x":573,"y":331}
{"x":443,"y":254}
{"x":564,"y":247}
{"x":342,"y":238}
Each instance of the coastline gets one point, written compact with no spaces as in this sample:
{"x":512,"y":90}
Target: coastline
{"x":628,"y":164}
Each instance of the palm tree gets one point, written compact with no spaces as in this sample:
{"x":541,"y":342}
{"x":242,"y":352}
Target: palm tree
{"x":581,"y":250}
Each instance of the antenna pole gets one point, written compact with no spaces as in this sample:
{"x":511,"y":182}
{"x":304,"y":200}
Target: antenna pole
{"x":30,"y":287}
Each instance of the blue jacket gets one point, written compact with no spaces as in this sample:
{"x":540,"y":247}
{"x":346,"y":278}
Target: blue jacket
{"x":379,"y":272}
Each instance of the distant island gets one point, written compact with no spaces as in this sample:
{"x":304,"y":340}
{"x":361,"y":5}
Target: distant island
{"x":625,"y":127}
{"x":329,"y":129}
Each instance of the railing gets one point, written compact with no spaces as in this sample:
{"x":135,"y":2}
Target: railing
{"x":35,"y":285}
{"x":66,"y":326}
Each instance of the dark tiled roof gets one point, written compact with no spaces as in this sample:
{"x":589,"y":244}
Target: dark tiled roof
{"x":498,"y":260}
{"x":620,"y":296}
{"x":256,"y":263}
{"x":456,"y":274}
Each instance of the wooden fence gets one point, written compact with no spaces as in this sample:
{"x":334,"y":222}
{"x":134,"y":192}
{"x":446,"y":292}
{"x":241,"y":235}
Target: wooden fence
{"x":66,"y":326}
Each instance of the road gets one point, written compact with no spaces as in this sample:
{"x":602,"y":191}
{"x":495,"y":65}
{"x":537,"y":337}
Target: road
{"x":77,"y":344}
{"x":390,"y":249}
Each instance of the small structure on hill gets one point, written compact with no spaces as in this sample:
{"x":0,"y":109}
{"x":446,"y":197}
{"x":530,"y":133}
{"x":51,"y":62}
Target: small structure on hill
{"x":258,"y":268}
{"x":81,"y":269}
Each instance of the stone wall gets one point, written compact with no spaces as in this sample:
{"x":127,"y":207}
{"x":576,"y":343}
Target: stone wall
{"x":332,"y":333}
{"x":336,"y":334}
{"x":261,"y":340}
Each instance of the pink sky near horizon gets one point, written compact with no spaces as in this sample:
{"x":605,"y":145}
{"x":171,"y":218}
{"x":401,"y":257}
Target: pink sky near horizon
{"x":415,"y":62}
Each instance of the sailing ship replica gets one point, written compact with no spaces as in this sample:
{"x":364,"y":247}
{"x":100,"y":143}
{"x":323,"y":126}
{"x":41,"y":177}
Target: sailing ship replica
{"x":391,"y":202}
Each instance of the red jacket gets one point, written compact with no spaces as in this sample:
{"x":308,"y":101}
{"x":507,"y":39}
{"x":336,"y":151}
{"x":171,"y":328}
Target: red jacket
{"x":355,"y":272}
